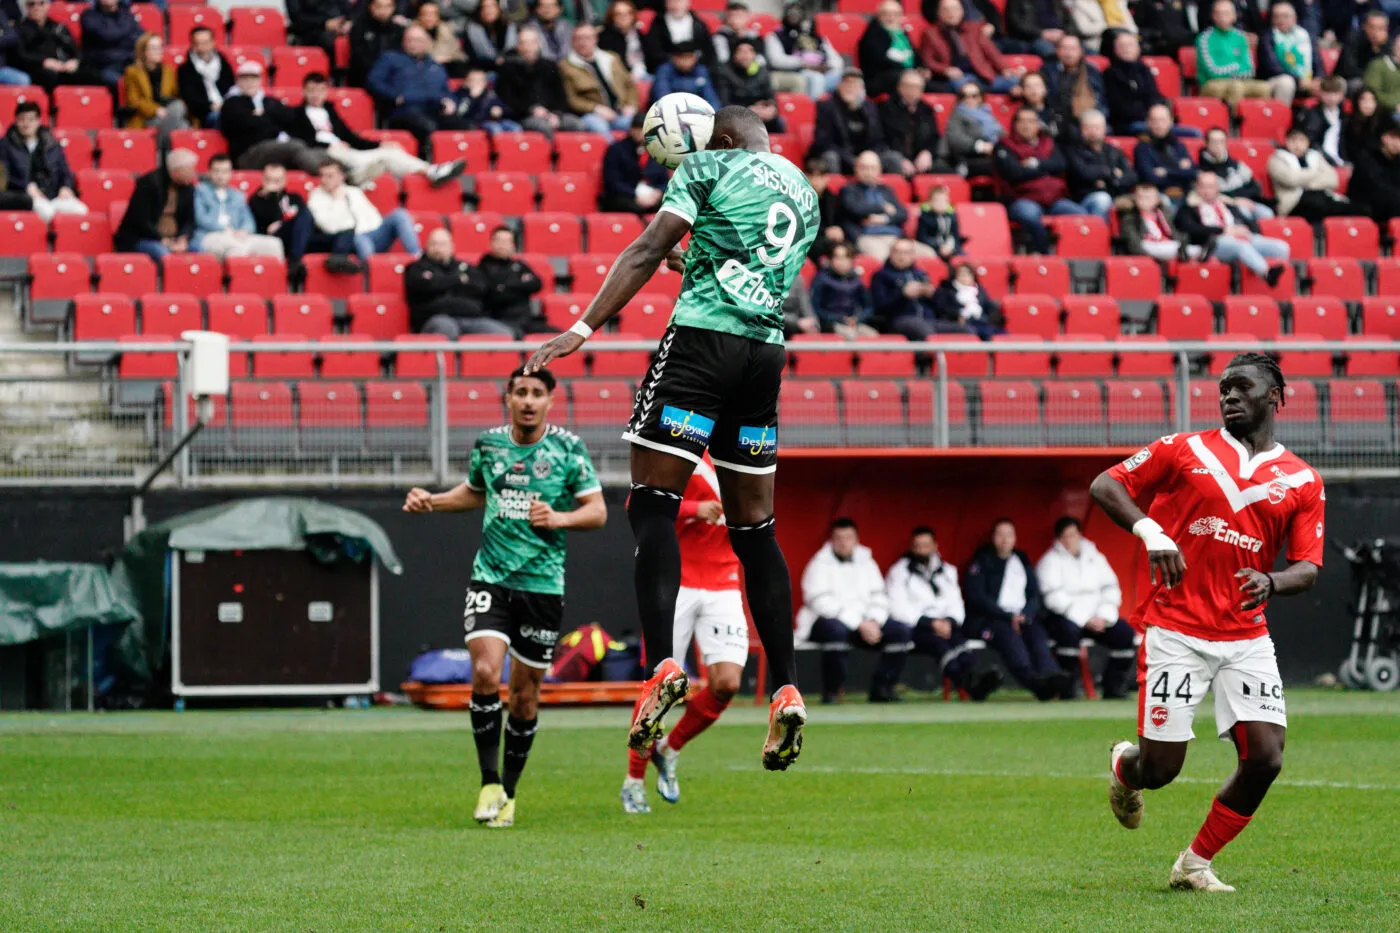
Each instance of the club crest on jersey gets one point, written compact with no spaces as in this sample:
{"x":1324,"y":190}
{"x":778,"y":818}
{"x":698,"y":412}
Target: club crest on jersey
{"x":498,"y":468}
{"x":758,"y":441}
{"x":686,"y":424}
{"x":1218,"y":529}
{"x":1137,"y":460}
{"x":1159,"y":716}
{"x":540,"y":469}
{"x":1277,"y":492}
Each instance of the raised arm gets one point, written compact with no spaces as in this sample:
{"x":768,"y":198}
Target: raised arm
{"x":463,"y":498}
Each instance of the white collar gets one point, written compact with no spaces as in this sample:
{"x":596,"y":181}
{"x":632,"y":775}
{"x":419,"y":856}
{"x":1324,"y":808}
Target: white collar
{"x":1249,"y":464}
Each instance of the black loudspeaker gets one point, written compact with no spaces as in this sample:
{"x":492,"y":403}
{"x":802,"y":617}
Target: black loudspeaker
{"x":272,"y":623}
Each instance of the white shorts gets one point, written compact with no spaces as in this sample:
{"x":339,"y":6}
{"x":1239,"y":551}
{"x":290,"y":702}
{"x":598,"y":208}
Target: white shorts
{"x":1175,"y":671}
{"x":715,"y":618}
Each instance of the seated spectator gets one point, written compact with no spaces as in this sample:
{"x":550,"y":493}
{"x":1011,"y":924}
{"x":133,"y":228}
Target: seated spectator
{"x":909,"y":127}
{"x":844,"y":605}
{"x":847,"y":124}
{"x":9,"y":43}
{"x":1236,"y":178}
{"x":1323,"y":122}
{"x":479,"y":107}
{"x":870,"y":213}
{"x":742,"y":80}
{"x":621,"y":37}
{"x":255,"y":127}
{"x":629,"y":186}
{"x":204,"y":79}
{"x":1073,"y":86}
{"x":1362,"y":132}
{"x":685,"y":73}
{"x":1378,"y":174}
{"x":377,"y":30}
{"x":1213,"y":229}
{"x":676,"y":25}
{"x":1225,"y":66}
{"x":923,"y":594}
{"x":110,"y":31}
{"x":532,"y":88}
{"x":802,"y":59}
{"x":840,"y":299}
{"x":972,"y":133}
{"x":283,"y":214}
{"x":1033,"y":168}
{"x":446,"y":294}
{"x":36,"y":170}
{"x":1034,"y":94}
{"x":1363,"y":46}
{"x":902,"y":298}
{"x":1003,"y":609}
{"x":1082,"y":600}
{"x":597,"y":85}
{"x":798,"y":316}
{"x":829,"y":204}
{"x":446,"y":48}
{"x":152,"y":91}
{"x":1040,"y":24}
{"x":48,"y":53}
{"x":1289,"y":58}
{"x":1146,"y":230}
{"x":1129,"y":86}
{"x":961,"y":301}
{"x":938,"y":225}
{"x":159,"y":218}
{"x":412,"y":89}
{"x":1164,"y":26}
{"x":489,"y":36}
{"x":957,"y":51}
{"x":556,"y":32}
{"x":318,"y":23}
{"x":318,"y":124}
{"x":510,"y":283}
{"x":885,"y":52}
{"x":1383,"y":79}
{"x":1099,"y":173}
{"x":1305,"y":183}
{"x":338,"y":208}
{"x":1161,"y":158}
{"x":738,"y":25}
{"x":223,"y":224}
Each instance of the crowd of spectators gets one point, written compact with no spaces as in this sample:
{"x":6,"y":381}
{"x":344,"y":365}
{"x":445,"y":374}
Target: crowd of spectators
{"x":1034,"y":616}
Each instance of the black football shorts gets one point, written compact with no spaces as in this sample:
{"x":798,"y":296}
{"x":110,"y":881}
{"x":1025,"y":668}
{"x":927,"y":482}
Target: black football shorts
{"x":527,"y":622}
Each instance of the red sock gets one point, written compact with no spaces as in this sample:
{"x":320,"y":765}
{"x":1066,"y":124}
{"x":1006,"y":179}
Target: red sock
{"x":637,"y":761}
{"x":701,"y":711}
{"x":1118,"y":770}
{"x":1221,"y":826}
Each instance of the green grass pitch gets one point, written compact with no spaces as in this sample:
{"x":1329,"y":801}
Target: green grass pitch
{"x":920,"y":817}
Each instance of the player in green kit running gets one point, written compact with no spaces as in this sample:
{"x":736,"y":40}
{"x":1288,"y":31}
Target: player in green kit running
{"x":714,"y":382}
{"x":535,"y":482}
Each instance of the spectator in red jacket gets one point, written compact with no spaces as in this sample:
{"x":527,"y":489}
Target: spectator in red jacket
{"x":1033,"y":167}
{"x":957,"y":52}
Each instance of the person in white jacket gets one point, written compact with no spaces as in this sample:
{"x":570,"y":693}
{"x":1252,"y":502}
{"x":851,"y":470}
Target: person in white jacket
{"x":338,"y":208}
{"x":924,"y":594}
{"x":844,"y":605}
{"x":1083,"y":600}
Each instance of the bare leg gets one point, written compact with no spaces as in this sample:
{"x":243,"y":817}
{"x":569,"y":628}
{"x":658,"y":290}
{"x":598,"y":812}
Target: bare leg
{"x":1151,"y":764}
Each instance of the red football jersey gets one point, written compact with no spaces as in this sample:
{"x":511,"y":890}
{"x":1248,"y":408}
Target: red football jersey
{"x":1226,"y":512}
{"x":707,"y":560}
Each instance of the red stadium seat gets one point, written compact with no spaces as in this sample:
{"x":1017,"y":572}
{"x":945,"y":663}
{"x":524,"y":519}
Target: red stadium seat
{"x":578,"y":152}
{"x":183,"y":17}
{"x":257,"y":275}
{"x":817,"y":363}
{"x":1031,"y":315}
{"x":1136,"y":408}
{"x":1074,"y":413}
{"x":309,"y":315}
{"x":378,"y":315}
{"x":1324,"y":316}
{"x":541,"y":266}
{"x":562,"y":309}
{"x":665,"y":282}
{"x":474,"y":404}
{"x":170,"y":313}
{"x":1080,"y":237}
{"x":611,"y":233}
{"x":103,"y":316}
{"x":1304,"y":362}
{"x":1040,"y":275}
{"x":555,"y":234}
{"x":1230,"y":344}
{"x":958,"y":188}
{"x":600,"y":402}
{"x":883,"y":362}
{"x":1210,"y":280}
{"x":89,"y":234}
{"x":204,"y":143}
{"x":1142,"y":363}
{"x":131,"y":274}
{"x":1264,"y":118}
{"x":630,"y":363}
{"x":283,"y":364}
{"x":100,"y":188}
{"x":260,"y":26}
{"x":401,"y":138}
{"x":1010,"y":412}
{"x":127,"y":150}
{"x":471,"y":233}
{"x":797,"y":109}
{"x":420,"y":194}
{"x":1359,"y":418}
{"x":1295,"y":231}
{"x":963,"y":364}
{"x":87,"y":108}
{"x":423,"y":364}
{"x":1380,"y":316}
{"x":588,"y":271}
{"x":1083,"y":364}
{"x":1388,"y":274}
{"x":1092,"y":314}
{"x":994,"y":274}
{"x":1184,"y":317}
{"x":1034,"y":363}
{"x":811,"y":415}
{"x":23,"y":233}
{"x":386,"y":273}
{"x":647,"y":315}
{"x":1203,"y":403}
{"x":942,"y":106}
{"x":523,"y":152}
{"x":571,"y":192}
{"x":985,"y":228}
{"x":1372,"y":362}
{"x":192,"y":273}
{"x":1203,"y":113}
{"x":291,"y":65}
{"x":1357,"y":237}
{"x":383,"y":192}
{"x":355,"y":107}
{"x":507,"y":192}
{"x":789,"y":146}
{"x":12,"y":97}
{"x":497,"y":363}
{"x":874,"y":411}
{"x":473,"y":146}
{"x":59,"y":275}
{"x":1287,"y":287}
{"x":78,"y":148}
{"x":242,"y":317}
{"x":1253,"y":315}
{"x":1166,"y":73}
{"x":148,"y":365}
{"x":1338,"y":278}
{"x":322,"y":283}
{"x":328,"y":405}
{"x":261,"y":415}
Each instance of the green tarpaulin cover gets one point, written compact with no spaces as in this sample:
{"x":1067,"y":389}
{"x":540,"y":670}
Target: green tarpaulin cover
{"x":39,"y":600}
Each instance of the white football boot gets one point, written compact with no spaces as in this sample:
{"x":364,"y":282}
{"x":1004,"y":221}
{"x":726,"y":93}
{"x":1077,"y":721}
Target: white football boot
{"x":1193,"y":873}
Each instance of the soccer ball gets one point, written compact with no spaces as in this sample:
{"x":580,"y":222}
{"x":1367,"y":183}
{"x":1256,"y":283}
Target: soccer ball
{"x":677,"y":125}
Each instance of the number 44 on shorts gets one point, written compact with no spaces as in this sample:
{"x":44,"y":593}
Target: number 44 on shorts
{"x":1161,"y":688}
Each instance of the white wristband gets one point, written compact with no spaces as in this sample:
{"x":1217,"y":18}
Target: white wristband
{"x":1153,"y":536}
{"x":582,"y":329}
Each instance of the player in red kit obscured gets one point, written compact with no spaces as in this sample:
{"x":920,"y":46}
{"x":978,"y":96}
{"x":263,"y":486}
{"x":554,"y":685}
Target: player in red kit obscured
{"x":1222,"y":503}
{"x":710,"y":609}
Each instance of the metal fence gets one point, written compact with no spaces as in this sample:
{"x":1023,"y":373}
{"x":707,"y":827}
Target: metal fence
{"x":296,"y":418}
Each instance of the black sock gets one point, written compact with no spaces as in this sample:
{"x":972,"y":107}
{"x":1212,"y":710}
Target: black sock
{"x":657,"y":573}
{"x":486,"y":729}
{"x":769,"y":589}
{"x":520,"y":735}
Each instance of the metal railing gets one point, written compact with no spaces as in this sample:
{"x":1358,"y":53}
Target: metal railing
{"x":283,"y":426}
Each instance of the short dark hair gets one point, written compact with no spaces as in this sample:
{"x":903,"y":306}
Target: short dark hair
{"x":29,"y":106}
{"x":922,"y":530}
{"x":815,"y":164}
{"x":1268,"y":365}
{"x":847,"y":248}
{"x":1218,"y":129}
{"x":1334,"y":84}
{"x":330,"y":163}
{"x":841,"y":522}
{"x":219,"y":157}
{"x":1068,"y":521}
{"x":543,"y":375}
{"x":314,"y":77}
{"x":1296,"y":129}
{"x":197,"y":30}
{"x":736,"y":5}
{"x":504,"y":229}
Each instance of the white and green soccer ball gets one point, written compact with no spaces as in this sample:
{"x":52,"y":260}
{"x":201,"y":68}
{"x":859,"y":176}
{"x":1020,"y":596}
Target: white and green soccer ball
{"x":677,"y":125}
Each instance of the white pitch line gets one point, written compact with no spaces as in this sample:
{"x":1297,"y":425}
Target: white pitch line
{"x":977,"y":772}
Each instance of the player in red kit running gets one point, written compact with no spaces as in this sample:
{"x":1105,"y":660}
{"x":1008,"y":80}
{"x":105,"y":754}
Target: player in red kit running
{"x":710,"y":609}
{"x":1223,"y":502}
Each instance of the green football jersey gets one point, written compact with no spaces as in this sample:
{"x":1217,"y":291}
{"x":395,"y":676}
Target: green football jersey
{"x":753,"y":216}
{"x":556,"y":470}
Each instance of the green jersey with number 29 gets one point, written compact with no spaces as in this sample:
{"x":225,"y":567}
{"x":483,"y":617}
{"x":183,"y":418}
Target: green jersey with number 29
{"x":752,"y":217}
